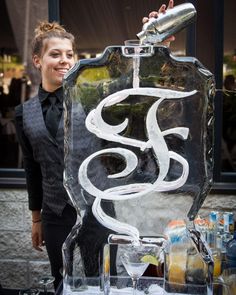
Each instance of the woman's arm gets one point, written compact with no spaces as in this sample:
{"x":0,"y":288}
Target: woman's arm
{"x":33,"y":180}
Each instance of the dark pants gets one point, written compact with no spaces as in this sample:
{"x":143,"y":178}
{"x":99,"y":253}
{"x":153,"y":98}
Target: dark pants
{"x":56,"y":230}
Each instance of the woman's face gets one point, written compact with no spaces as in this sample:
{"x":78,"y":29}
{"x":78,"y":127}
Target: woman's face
{"x":56,"y":59}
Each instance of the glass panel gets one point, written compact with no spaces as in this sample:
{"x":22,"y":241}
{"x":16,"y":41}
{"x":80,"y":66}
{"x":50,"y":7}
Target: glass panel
{"x":11,"y":73}
{"x":15,"y":88}
{"x":18,"y":79}
{"x":229,"y":93}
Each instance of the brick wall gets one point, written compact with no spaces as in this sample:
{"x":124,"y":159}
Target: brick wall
{"x":20,"y":265}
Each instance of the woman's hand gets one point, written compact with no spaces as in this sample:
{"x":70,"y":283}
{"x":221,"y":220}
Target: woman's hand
{"x":155,"y":14}
{"x":37,"y":236}
{"x":37,"y":231}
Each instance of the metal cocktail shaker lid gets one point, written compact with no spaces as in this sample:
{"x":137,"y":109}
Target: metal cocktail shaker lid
{"x":168,"y":23}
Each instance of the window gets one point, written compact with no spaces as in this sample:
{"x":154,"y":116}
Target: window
{"x":228,"y":160}
{"x":224,"y":174}
{"x":17,"y":18}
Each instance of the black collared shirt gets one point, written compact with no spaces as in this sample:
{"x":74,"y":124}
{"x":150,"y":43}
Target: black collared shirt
{"x":32,"y":168}
{"x":45,"y":103}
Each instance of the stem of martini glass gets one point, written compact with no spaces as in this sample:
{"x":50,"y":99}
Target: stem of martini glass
{"x":135,"y":284}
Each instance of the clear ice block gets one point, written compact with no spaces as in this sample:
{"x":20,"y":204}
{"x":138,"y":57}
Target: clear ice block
{"x":138,"y":142}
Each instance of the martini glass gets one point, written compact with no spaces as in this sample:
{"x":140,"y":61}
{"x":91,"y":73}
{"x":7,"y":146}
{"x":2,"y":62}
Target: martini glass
{"x":136,"y":259}
{"x":45,"y":281}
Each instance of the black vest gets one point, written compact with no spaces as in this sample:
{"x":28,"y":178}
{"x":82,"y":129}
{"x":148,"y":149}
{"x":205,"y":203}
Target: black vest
{"x":48,"y":152}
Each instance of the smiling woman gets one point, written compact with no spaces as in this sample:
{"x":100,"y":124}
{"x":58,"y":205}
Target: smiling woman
{"x":54,"y":62}
{"x":39,"y":126}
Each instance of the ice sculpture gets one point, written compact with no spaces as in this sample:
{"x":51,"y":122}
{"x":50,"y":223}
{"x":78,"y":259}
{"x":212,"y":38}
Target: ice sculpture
{"x":138,"y":142}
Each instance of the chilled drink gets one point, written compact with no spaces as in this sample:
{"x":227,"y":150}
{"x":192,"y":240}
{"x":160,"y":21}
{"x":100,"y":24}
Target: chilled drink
{"x":135,"y":270}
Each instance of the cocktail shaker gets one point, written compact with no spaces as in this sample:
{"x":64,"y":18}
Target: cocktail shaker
{"x":167,"y":24}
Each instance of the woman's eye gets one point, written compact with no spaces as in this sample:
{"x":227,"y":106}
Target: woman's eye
{"x":69,"y":55}
{"x":54,"y":55}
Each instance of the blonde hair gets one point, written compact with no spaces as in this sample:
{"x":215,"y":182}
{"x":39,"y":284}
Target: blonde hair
{"x":46,"y":30}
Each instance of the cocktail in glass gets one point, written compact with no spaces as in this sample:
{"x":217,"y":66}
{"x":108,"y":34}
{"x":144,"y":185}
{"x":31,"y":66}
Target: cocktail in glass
{"x":136,"y":259}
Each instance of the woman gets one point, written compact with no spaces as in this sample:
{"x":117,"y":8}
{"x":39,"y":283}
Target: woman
{"x":40,"y":132}
{"x":39,"y":124}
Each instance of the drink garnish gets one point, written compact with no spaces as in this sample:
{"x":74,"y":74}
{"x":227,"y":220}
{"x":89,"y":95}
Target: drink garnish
{"x":150,"y":259}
